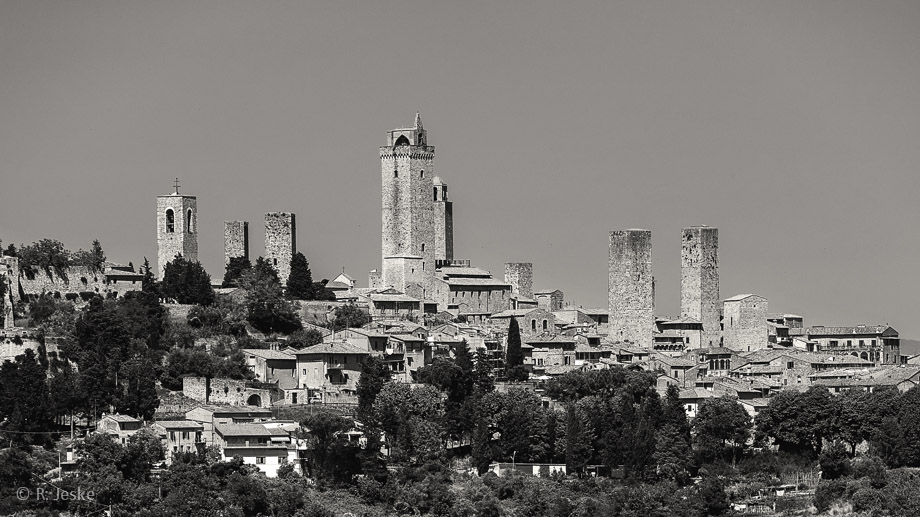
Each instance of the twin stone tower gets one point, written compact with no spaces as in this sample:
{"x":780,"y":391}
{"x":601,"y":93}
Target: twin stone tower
{"x":631,"y":285}
{"x":417,"y":238}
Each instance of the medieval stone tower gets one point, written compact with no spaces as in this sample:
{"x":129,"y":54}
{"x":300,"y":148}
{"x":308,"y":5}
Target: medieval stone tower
{"x":630,"y":287}
{"x":409,"y":232}
{"x":520,"y":276}
{"x":280,"y":242}
{"x":236,"y":240}
{"x":177,"y":228}
{"x":443,"y":222}
{"x":699,"y":280}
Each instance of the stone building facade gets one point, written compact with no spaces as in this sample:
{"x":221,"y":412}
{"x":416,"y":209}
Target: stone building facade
{"x":520,"y":276}
{"x":630,"y":287}
{"x":744,"y":322}
{"x":699,"y":281}
{"x":236,"y":240}
{"x":177,"y":229}
{"x":280,"y":242}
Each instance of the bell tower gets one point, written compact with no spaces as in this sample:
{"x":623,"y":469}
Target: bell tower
{"x":177,"y":228}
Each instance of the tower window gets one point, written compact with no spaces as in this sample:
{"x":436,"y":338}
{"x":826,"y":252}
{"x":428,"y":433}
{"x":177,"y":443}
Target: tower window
{"x":275,"y":261}
{"x":423,"y":247}
{"x":188,"y":221}
{"x":395,"y":173}
{"x":170,"y":221}
{"x":436,"y":193}
{"x":421,"y":174}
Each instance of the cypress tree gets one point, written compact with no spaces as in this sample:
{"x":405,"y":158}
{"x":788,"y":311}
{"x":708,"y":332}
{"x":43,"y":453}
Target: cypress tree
{"x":300,"y":281}
{"x":514,"y":356}
{"x":236,"y":267}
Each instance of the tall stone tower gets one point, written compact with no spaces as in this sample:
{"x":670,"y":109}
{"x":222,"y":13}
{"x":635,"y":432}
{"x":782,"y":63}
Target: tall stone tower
{"x":177,"y":228}
{"x":630,"y":287}
{"x":280,"y":242}
{"x":699,"y":280}
{"x":409,"y":232}
{"x":443,"y":222}
{"x":520,"y":276}
{"x":236,"y":240}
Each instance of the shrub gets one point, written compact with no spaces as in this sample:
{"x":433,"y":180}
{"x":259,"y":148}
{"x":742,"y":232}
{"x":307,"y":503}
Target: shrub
{"x":828,"y":492}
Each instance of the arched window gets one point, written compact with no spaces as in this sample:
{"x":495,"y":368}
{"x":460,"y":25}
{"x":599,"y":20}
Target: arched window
{"x":533,"y":324}
{"x":423,"y":247}
{"x":402,"y":140}
{"x":544,"y":325}
{"x":170,"y":221}
{"x":188,"y":221}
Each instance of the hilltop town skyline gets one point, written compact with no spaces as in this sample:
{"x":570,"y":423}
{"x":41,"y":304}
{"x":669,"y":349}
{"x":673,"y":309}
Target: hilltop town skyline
{"x":543,"y":157}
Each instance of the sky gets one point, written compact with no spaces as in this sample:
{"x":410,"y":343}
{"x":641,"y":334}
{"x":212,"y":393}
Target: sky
{"x":793,"y":127}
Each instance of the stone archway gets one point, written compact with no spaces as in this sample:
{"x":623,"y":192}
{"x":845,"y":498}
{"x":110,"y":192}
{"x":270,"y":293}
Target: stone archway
{"x":254,"y":400}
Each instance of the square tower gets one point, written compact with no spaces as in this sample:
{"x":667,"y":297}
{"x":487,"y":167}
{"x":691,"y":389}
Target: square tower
{"x":408,"y":192}
{"x":443,"y":222}
{"x":699,"y":281}
{"x":520,"y":276}
{"x":236,"y":240}
{"x":177,"y":229}
{"x":630,"y":287}
{"x":280,"y":242}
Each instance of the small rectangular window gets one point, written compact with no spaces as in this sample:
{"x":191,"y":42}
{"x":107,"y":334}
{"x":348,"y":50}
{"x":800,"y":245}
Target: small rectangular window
{"x":260,"y":460}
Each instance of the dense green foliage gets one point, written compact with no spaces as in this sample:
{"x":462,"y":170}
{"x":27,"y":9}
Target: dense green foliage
{"x":187,"y":282}
{"x":268,"y":310}
{"x":349,"y":316}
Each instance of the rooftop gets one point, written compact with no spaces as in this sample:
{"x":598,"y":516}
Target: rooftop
{"x":248,"y":430}
{"x":265,"y":353}
{"x":338,"y":347}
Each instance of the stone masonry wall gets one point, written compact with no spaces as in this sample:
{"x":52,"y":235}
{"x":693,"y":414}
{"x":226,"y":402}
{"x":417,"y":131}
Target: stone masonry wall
{"x":236,"y":240}
{"x":224,"y":391}
{"x":699,"y":280}
{"x":630,"y":291}
{"x":280,"y":242}
{"x":520,"y":276}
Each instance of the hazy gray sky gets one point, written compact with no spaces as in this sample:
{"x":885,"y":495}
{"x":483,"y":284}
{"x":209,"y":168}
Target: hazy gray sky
{"x":794,"y":127}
